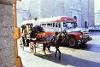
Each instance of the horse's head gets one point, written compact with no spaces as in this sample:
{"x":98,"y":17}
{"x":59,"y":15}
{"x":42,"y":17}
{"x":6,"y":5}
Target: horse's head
{"x":38,"y":29}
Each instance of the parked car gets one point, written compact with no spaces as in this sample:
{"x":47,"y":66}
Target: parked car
{"x":96,"y":28}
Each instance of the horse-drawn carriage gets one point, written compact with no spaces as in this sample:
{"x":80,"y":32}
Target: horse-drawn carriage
{"x":39,"y":36}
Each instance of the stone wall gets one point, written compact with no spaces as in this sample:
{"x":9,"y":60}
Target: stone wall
{"x":7,"y":49}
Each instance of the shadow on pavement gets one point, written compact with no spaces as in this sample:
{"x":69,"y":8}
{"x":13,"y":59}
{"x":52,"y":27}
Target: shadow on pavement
{"x":69,"y":60}
{"x":93,"y":48}
{"x":82,"y":46}
{"x":89,"y":47}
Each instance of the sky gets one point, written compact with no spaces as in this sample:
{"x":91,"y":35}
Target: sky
{"x":97,"y":5}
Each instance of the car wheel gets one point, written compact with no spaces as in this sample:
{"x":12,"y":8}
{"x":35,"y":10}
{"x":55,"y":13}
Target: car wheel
{"x":72,"y":42}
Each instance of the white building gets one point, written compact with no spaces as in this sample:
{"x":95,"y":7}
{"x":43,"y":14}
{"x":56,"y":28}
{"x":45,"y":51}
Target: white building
{"x":97,"y":18}
{"x":82,"y":9}
{"x":97,"y":12}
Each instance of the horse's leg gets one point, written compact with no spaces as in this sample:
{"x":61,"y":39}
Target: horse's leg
{"x":56,"y":53}
{"x":49,"y":47}
{"x":44,"y":48}
{"x":56,"y":50}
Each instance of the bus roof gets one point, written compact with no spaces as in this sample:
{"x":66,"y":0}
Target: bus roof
{"x":58,"y":19}
{"x":29,"y":22}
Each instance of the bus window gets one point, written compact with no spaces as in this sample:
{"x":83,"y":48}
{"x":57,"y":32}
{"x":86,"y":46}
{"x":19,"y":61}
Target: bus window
{"x":58,"y":25}
{"x":53,"y":24}
{"x":64,"y":24}
{"x":70,"y":25}
{"x":49,"y":25}
{"x":43,"y":25}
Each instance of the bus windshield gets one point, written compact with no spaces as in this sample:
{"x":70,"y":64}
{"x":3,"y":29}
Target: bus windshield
{"x":70,"y":25}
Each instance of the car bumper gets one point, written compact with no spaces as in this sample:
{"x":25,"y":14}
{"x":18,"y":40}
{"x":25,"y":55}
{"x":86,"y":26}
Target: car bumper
{"x":84,"y":40}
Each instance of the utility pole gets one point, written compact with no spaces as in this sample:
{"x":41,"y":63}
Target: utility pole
{"x":16,"y":36}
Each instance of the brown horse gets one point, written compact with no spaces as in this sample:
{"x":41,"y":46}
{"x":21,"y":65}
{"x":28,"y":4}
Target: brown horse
{"x":35,"y":40}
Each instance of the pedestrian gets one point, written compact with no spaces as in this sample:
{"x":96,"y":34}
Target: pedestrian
{"x":23,"y":35}
{"x":65,"y":37}
{"x":23,"y":39}
{"x":86,"y":24}
{"x":57,"y":42}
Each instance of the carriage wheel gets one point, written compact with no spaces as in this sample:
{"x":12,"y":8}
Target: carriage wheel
{"x":32,"y":48}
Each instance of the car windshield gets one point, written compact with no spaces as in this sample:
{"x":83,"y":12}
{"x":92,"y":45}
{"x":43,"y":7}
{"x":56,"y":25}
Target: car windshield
{"x":69,"y":25}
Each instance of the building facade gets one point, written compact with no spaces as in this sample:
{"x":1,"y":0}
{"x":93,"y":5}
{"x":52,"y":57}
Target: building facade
{"x":82,"y":9}
{"x":97,"y":18}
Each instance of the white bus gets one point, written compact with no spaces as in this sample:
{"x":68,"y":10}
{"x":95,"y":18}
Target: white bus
{"x":76,"y":35}
{"x":57,"y":24}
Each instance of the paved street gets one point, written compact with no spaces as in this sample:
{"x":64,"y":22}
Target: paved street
{"x":87,"y":56}
{"x":94,"y":45}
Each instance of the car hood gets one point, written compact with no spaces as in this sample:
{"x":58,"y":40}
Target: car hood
{"x":77,"y":30}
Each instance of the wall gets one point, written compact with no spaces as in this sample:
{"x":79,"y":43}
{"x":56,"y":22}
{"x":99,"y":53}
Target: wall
{"x":87,"y":12}
{"x":7,"y":50}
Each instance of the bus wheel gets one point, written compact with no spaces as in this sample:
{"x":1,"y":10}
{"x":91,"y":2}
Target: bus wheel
{"x":72,"y":42}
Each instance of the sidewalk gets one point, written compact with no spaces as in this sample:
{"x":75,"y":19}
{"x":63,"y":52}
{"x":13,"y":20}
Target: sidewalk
{"x":39,"y":60}
{"x":70,"y":58}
